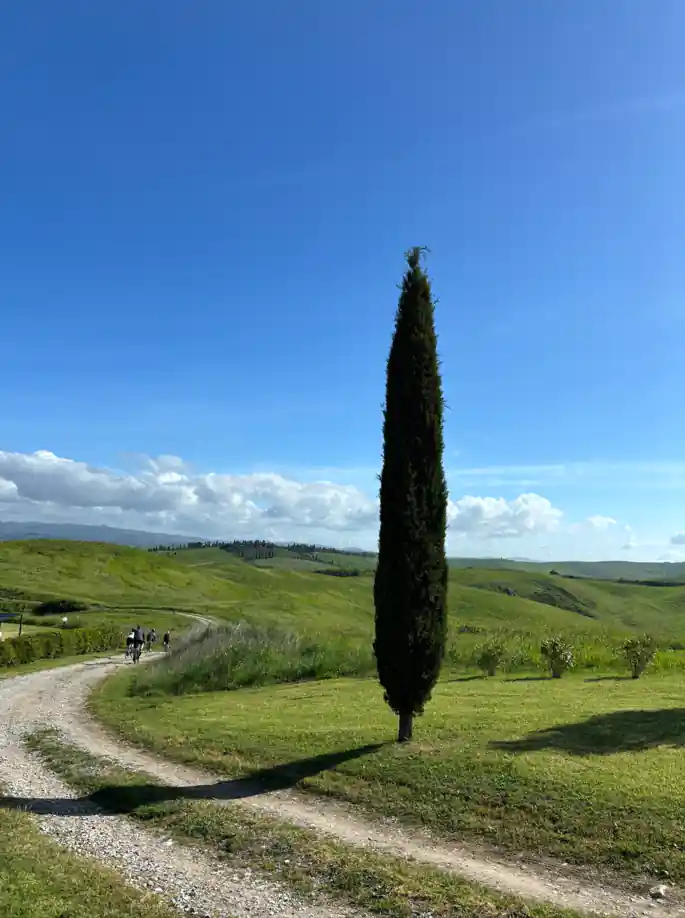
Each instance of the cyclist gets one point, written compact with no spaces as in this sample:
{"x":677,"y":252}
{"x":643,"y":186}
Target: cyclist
{"x":138,"y":641}
{"x":151,"y":638}
{"x":167,"y":640}
{"x":130,"y":639}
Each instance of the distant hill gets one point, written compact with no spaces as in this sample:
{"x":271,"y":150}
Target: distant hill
{"x":74,"y":532}
{"x":593,"y":570}
{"x":292,"y":592}
{"x":316,"y":557}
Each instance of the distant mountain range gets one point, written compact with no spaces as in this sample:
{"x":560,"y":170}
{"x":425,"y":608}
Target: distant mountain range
{"x":11,"y":531}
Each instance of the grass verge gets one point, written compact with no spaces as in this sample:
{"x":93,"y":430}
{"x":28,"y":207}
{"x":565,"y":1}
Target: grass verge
{"x":590,"y":771}
{"x":305,"y":860}
{"x":39,"y":879}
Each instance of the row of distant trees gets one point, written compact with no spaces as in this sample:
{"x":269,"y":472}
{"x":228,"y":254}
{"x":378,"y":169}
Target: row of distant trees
{"x":244,"y":548}
{"x":241,"y":545}
{"x":255,"y":549}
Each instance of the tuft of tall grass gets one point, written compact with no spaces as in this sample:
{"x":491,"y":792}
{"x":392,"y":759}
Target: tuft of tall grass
{"x":237,"y":654}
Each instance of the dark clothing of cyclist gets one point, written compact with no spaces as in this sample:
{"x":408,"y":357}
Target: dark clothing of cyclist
{"x":138,"y":637}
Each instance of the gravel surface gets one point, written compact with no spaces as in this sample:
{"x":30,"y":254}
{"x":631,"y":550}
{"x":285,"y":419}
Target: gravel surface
{"x":189,"y":879}
{"x":56,"y":698}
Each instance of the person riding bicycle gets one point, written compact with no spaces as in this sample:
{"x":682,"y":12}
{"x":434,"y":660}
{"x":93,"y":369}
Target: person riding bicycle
{"x":167,"y":639}
{"x":138,"y":641}
{"x":151,"y":638}
{"x":130,"y":638}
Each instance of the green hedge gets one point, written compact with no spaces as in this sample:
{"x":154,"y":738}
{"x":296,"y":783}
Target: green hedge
{"x":51,"y":644}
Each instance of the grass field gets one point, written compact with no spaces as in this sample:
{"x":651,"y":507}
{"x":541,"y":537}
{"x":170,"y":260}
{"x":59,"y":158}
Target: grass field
{"x":591,"y":771}
{"x":38,"y":879}
{"x":151,"y":587}
{"x":573,"y":768}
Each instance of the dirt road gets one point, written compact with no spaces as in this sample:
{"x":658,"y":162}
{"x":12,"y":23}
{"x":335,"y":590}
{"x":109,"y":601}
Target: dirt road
{"x":56,"y":698}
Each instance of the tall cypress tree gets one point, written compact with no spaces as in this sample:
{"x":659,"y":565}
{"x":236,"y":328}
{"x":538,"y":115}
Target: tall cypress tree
{"x":410,"y":587}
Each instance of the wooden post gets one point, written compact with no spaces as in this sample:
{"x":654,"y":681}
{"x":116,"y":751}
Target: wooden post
{"x":21,"y":623}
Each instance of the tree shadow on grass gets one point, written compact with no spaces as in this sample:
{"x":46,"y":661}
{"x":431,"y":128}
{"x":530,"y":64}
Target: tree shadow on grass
{"x":604,"y":734}
{"x":124,"y":798}
{"x":528,"y":679}
{"x":608,"y":679}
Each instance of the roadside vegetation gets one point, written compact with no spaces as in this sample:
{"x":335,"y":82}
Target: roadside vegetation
{"x":237,"y":654}
{"x":39,"y":879}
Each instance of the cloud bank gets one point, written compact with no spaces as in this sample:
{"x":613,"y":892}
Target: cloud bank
{"x":167,"y":495}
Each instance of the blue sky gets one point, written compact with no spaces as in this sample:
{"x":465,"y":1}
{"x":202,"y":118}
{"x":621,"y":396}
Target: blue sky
{"x":205,"y":208}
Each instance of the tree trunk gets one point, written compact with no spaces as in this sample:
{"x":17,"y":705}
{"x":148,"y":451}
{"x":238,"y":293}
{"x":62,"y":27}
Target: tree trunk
{"x":406,"y":728}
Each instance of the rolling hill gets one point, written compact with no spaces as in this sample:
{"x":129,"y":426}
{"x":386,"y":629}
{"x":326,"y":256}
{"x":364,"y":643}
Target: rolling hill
{"x":212,"y":581}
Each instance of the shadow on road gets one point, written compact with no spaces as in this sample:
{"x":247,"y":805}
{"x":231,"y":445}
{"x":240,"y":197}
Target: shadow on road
{"x":604,"y":734}
{"x":124,"y":798}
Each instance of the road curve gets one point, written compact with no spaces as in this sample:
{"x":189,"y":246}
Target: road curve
{"x":57,"y":698}
{"x":188,"y":879}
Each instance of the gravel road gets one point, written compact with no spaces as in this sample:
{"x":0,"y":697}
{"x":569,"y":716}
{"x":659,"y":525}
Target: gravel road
{"x":56,"y":698}
{"x":192,"y":881}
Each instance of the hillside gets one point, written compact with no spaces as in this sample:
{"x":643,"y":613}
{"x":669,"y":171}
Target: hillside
{"x":212,"y":581}
{"x":317,"y":558}
{"x":594,"y":570}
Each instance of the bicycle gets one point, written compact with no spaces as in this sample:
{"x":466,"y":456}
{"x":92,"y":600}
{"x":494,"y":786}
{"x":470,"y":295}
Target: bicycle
{"x":137,"y":650}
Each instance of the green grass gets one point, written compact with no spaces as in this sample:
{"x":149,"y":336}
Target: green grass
{"x":38,"y":879}
{"x":233,"y":655}
{"x":307,"y":861}
{"x":594,"y":570}
{"x":127,"y":586}
{"x":124,"y":581}
{"x":11,"y":629}
{"x":588,"y":771}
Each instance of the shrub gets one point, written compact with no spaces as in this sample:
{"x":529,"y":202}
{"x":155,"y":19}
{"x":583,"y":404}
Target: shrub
{"x":558,"y":655}
{"x":59,"y":607}
{"x":224,"y":657}
{"x":490,"y":656}
{"x":639,"y":653}
{"x":49,"y":645}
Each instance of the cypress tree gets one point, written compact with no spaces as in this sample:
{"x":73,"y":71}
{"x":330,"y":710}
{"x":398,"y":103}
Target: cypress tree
{"x":410,"y":586}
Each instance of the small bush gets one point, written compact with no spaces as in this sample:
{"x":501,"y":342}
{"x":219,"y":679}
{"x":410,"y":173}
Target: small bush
{"x":59,"y":607}
{"x":639,"y":653}
{"x":491,"y":656}
{"x":558,"y":655}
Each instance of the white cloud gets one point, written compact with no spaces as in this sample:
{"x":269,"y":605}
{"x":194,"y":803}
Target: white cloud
{"x":678,"y":538}
{"x":601,"y":523}
{"x":496,"y":518}
{"x":166,"y":495}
